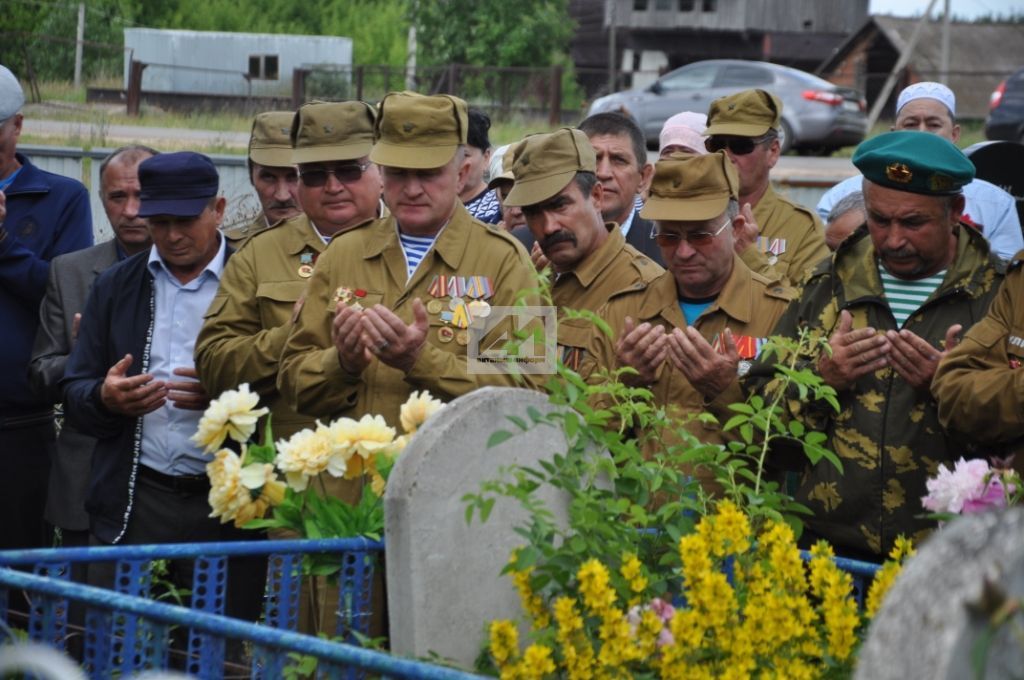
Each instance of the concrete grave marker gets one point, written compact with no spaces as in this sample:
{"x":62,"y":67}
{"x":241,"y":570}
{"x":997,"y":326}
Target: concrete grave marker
{"x":926,"y":628}
{"x":443,"y":576}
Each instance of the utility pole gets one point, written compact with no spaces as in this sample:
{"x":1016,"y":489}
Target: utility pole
{"x":944,"y":75}
{"x":612,"y":65}
{"x":78,"y":44}
{"x":890,"y":82}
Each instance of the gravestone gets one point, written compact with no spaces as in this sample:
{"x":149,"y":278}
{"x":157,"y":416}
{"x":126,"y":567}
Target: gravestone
{"x":444,"y":579}
{"x":935,"y":615}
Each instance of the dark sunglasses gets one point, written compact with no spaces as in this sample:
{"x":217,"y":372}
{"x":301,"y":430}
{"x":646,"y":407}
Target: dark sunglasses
{"x":346,"y":174}
{"x":671,"y":239}
{"x":740,"y":146}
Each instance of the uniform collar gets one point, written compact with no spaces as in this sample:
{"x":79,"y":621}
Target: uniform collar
{"x":735,"y":300}
{"x":308,"y":238}
{"x":599,"y":260}
{"x":450,"y":244}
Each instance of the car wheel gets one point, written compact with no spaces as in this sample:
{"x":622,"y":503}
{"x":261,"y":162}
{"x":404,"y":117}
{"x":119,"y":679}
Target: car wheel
{"x":787,"y":137}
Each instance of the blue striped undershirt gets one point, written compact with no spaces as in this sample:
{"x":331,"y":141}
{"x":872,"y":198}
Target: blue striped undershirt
{"x":415,"y":248}
{"x":905,"y":296}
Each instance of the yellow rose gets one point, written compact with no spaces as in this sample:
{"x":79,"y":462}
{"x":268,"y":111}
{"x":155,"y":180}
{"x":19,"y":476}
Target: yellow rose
{"x":417,"y":408}
{"x":233,"y":414}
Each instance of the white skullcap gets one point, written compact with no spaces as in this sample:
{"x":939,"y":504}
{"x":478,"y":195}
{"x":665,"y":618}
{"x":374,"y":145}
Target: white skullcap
{"x":494,"y":167}
{"x":12,"y":98}
{"x":685,"y":129}
{"x":927,"y":90}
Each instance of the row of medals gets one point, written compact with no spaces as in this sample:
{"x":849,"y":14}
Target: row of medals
{"x":458,"y":314}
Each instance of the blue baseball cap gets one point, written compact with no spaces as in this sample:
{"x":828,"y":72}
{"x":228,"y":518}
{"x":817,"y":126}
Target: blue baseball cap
{"x":179,"y":184}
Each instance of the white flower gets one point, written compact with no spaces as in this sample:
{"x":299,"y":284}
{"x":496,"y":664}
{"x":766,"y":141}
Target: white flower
{"x":417,"y":408}
{"x":232,"y":488}
{"x":233,"y":414}
{"x":949,"y":491}
{"x":308,"y":453}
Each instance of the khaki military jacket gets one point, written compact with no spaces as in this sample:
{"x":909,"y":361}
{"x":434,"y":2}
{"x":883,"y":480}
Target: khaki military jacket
{"x":792,"y":240}
{"x":749,"y":305}
{"x":615,"y":269}
{"x":886,"y":434}
{"x":368,"y":266}
{"x":245,"y":328}
{"x":979,"y":386}
{"x":236,"y":236}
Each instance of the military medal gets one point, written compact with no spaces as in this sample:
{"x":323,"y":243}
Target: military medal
{"x":306,"y":261}
{"x":478,"y":287}
{"x":461,"y":317}
{"x":479,"y":309}
{"x":343,"y":294}
{"x":434,"y":307}
{"x":445,"y":334}
{"x":455,"y":303}
{"x":305,"y":271}
{"x":462,"y":337}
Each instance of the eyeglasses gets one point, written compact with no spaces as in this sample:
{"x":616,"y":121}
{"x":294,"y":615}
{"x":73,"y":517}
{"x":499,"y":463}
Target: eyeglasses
{"x":671,"y":239}
{"x":346,"y":174}
{"x":741,"y":146}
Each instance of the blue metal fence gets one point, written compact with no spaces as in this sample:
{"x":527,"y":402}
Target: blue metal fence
{"x":125,"y":631}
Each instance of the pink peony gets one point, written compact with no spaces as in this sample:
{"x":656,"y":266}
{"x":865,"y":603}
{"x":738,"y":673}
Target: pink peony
{"x":969,"y":488}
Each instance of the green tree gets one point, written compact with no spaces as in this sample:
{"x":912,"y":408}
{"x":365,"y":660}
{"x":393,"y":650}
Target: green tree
{"x":491,"y":32}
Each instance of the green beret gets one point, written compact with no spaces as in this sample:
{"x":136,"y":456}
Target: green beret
{"x":918,"y":162}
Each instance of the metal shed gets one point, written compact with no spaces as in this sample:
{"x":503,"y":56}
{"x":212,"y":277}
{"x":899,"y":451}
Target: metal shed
{"x":220,"y":63}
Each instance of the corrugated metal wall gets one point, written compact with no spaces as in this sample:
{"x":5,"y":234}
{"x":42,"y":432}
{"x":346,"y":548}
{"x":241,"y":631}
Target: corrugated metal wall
{"x":821,"y":16}
{"x":85,"y":167}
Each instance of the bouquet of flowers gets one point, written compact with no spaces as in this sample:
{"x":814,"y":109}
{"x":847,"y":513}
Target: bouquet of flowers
{"x":244,"y":485}
{"x":972,"y":486}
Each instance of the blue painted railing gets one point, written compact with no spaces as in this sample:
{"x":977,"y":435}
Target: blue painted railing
{"x":115,"y":643}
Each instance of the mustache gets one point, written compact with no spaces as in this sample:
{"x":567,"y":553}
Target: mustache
{"x":556,"y":238}
{"x":898,"y":253}
{"x":283,"y":204}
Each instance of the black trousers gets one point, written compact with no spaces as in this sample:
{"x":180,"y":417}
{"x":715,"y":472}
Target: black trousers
{"x":161,"y":514}
{"x":25,"y":455}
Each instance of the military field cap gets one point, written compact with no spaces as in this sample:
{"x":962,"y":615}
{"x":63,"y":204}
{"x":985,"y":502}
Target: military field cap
{"x":270,"y":143}
{"x":691,"y":188}
{"x":545,"y":164}
{"x":180,"y":184}
{"x":927,"y":90}
{"x":750,"y":113}
{"x":12,"y":97}
{"x":505,"y":161}
{"x":417,"y":131}
{"x":332,"y":131}
{"x":918,"y":162}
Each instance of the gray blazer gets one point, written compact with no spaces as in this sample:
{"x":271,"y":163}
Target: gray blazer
{"x":67,"y":288}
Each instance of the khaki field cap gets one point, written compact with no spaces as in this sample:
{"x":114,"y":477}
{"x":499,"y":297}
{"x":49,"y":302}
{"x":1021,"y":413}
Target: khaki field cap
{"x":750,"y":113}
{"x":270,"y":143}
{"x":691,"y":188}
{"x":419,"y":132}
{"x":545,"y":164}
{"x":332,"y":131}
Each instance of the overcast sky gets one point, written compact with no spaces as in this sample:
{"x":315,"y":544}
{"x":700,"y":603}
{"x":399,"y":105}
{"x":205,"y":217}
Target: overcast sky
{"x":958,"y":8}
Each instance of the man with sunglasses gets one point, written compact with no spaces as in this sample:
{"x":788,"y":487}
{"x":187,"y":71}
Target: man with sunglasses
{"x":556,"y":185}
{"x":697,"y":327}
{"x":781,"y":238}
{"x":247,"y":323}
{"x":891,"y":302}
{"x":389,"y":306}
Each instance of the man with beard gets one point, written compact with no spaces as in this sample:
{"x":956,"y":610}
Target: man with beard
{"x":272,"y":175}
{"x":70,"y":278}
{"x":891,"y":302}
{"x":561,"y":199}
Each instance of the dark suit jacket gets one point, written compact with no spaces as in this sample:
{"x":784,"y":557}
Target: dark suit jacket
{"x":67,"y":288}
{"x":639,"y":237}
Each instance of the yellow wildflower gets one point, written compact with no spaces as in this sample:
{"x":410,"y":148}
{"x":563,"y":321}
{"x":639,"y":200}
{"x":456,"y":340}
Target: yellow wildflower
{"x":597,"y":594}
{"x":732,"y":530}
{"x":631,"y":570}
{"x":840,"y":613}
{"x":504,"y":641}
{"x":536,"y":663}
{"x":233,"y":414}
{"x":417,"y":408}
{"x":902,"y":548}
{"x":532,"y":603}
{"x":884,"y":579}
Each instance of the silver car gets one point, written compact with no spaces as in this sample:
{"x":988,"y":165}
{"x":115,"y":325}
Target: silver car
{"x":817,"y":116}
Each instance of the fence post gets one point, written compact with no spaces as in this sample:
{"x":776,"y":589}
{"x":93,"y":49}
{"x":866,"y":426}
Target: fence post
{"x":134,"y":96}
{"x":556,"y":95}
{"x":359,"y":82}
{"x":299,"y":87}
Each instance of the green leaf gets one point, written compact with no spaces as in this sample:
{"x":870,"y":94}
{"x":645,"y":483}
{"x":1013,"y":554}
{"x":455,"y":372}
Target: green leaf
{"x":796,"y":428}
{"x":498,"y":437}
